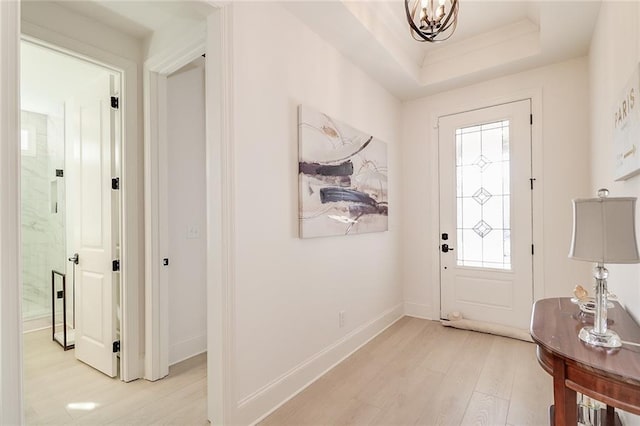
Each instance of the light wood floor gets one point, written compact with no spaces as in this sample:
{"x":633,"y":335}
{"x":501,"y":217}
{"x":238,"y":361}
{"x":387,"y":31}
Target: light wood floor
{"x":420,"y":373}
{"x":53,"y":379}
{"x":415,"y":373}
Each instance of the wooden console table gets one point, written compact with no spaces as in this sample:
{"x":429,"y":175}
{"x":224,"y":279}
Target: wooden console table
{"x":611,"y":376}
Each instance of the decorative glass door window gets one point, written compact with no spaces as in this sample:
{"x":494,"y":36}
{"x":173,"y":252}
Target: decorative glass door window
{"x":483,"y":196}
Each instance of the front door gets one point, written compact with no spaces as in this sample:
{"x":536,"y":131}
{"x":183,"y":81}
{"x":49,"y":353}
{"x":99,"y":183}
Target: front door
{"x":486,"y":271}
{"x":90,"y":144}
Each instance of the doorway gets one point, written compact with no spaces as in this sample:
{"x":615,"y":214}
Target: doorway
{"x":61,"y":32}
{"x":70,"y":152}
{"x":486,"y":251}
{"x":185,"y":244}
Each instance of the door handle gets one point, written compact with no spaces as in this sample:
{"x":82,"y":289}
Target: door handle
{"x":446,"y":248}
{"x":75,"y":258}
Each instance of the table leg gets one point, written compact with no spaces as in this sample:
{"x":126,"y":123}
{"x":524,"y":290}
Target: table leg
{"x":611,"y":416}
{"x":566,"y":408}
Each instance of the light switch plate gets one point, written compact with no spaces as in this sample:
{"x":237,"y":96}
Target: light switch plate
{"x":193,"y":232}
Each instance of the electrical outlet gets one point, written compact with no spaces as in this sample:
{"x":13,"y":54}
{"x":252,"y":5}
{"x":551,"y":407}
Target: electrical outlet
{"x":341,"y":319}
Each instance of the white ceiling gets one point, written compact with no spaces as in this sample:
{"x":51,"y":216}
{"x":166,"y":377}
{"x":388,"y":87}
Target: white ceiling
{"x":138,"y":18}
{"x":493,"y":38}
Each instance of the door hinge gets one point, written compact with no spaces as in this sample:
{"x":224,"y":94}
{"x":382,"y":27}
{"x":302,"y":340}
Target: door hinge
{"x":116,"y":346}
{"x":115,"y":102}
{"x":532,"y":250}
{"x":531,"y":119}
{"x":115,"y":183}
{"x":115,"y":265}
{"x":531,"y":180}
{"x":59,"y":173}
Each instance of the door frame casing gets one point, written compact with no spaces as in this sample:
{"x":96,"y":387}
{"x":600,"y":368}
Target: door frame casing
{"x":11,"y":404}
{"x":535,"y":97}
{"x":215,"y":41}
{"x":221,"y":402}
{"x":157,"y":68}
{"x":130,"y":248}
{"x":130,"y":254}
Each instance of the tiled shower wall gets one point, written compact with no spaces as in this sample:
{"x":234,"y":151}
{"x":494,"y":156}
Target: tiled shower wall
{"x":43,"y":212}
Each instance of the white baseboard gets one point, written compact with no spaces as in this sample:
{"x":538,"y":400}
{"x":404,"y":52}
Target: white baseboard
{"x":187,"y":349}
{"x":267,"y":399}
{"x":36,"y":323}
{"x":417,"y":310}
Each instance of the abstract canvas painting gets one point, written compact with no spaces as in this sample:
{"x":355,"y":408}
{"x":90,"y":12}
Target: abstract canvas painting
{"x":343,"y":178}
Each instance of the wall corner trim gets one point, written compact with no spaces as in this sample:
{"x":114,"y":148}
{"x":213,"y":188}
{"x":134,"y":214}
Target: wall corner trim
{"x":11,"y":388}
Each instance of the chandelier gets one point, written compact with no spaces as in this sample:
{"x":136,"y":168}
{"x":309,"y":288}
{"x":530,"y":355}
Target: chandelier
{"x":432,"y":20}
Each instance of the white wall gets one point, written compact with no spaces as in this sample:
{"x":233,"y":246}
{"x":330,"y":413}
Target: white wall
{"x":614,"y":55}
{"x":560,"y":115}
{"x":65,"y":22}
{"x":186,"y":213}
{"x":172,"y":33}
{"x":288,"y":291}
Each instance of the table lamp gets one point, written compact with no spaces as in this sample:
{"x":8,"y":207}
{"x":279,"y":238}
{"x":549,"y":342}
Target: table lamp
{"x":603,"y":232}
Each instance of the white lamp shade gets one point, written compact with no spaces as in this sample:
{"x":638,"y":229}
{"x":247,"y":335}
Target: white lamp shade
{"x":604,"y":230}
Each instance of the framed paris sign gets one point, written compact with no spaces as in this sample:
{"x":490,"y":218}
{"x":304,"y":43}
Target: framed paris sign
{"x":626,"y":131}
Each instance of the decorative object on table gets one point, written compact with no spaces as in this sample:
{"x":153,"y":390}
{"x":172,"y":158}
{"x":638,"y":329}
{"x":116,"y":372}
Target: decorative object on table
{"x":580,"y":293}
{"x":589,"y":411}
{"x":343,"y":178}
{"x":431,"y":20}
{"x":588,"y":304}
{"x":626,"y":129}
{"x":603,"y":232}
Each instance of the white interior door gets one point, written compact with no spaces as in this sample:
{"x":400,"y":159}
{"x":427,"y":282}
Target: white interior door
{"x":486,"y":265}
{"x":89,"y":121}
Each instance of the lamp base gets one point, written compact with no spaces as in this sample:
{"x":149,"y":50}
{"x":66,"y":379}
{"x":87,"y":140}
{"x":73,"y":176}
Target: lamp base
{"x":608,"y":339}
